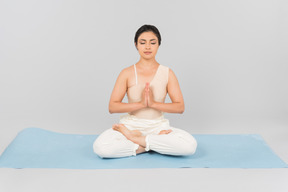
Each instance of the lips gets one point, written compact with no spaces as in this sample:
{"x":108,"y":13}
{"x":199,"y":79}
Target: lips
{"x":147,"y":52}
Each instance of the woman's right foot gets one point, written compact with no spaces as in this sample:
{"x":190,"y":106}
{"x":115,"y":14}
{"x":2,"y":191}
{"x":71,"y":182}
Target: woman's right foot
{"x":133,"y":135}
{"x":126,"y":132}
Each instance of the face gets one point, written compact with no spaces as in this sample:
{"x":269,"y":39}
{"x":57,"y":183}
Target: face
{"x":147,"y":45}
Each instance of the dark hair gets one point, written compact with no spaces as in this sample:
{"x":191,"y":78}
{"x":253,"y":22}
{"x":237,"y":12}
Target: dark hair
{"x":147,"y":28}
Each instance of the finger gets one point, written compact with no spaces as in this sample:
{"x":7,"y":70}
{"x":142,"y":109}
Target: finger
{"x":147,"y":86}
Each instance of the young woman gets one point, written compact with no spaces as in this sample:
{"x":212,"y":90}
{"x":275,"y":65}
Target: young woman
{"x":144,"y":127}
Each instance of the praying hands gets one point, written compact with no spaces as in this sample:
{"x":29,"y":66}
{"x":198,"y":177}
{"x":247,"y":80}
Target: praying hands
{"x":147,"y":96}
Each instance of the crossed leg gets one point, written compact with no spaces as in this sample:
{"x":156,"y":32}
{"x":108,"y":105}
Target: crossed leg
{"x":136,"y":136}
{"x":119,"y":141}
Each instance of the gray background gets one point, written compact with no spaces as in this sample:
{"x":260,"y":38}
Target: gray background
{"x":59,"y":61}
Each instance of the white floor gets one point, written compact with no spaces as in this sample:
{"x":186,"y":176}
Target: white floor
{"x":275,"y":133}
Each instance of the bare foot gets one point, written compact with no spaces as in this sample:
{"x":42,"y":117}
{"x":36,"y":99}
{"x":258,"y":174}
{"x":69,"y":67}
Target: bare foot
{"x":165,"y":132}
{"x":125,"y":131}
{"x":133,"y":135}
{"x":140,"y":150}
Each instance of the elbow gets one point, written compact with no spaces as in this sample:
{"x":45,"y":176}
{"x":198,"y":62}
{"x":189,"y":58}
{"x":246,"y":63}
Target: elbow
{"x":111,"y":110}
{"x":182,"y":109}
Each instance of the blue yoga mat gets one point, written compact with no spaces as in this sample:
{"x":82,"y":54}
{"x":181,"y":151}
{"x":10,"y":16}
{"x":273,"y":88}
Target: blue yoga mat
{"x":38,"y":148}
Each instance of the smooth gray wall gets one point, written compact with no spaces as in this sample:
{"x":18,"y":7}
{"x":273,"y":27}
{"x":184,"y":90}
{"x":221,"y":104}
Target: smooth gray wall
{"x":60,"y":60}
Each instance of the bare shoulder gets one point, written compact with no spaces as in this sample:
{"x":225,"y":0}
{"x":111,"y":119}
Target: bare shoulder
{"x":171,"y":76}
{"x":130,"y":72}
{"x":126,"y":72}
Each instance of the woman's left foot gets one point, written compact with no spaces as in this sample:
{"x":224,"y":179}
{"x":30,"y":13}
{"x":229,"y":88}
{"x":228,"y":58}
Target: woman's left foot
{"x":165,"y":132}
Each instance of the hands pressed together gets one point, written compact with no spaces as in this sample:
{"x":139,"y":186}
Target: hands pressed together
{"x":147,"y":96}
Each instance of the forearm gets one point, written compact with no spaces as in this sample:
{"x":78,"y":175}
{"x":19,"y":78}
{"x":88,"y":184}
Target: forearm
{"x":169,"y":107}
{"x":119,"y":107}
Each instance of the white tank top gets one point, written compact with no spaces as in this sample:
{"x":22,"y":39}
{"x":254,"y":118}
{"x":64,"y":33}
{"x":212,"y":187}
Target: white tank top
{"x":158,"y":85}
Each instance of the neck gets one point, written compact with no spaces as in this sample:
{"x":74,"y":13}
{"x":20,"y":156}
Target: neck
{"x":147,"y":62}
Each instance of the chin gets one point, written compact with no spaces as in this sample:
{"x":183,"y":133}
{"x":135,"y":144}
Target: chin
{"x":148,"y":56}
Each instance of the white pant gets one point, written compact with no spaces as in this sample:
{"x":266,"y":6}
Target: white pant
{"x":113,"y":144}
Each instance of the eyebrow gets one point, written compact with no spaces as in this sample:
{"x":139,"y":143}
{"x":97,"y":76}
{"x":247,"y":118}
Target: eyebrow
{"x":145,"y":39}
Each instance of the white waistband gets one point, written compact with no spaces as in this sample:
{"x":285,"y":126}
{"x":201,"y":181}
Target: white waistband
{"x":132,"y":121}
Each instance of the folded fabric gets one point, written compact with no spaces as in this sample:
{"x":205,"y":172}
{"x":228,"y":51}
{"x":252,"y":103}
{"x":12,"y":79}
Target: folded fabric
{"x":38,"y":148}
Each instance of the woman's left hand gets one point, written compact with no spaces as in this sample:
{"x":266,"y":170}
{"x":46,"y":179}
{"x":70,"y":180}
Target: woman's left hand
{"x":150,"y":95}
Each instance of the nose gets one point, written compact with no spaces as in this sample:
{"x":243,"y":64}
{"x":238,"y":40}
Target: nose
{"x":147,"y":45}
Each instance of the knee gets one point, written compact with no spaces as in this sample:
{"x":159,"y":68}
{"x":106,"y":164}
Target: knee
{"x":97,"y":148}
{"x":190,"y":147}
{"x":187,"y":144}
{"x":101,"y":150}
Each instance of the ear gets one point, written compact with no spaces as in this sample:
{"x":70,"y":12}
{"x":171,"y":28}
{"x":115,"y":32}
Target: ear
{"x":136,"y":46}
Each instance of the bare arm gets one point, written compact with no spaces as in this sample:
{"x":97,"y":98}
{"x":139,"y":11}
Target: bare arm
{"x":175,"y":94}
{"x":115,"y":104}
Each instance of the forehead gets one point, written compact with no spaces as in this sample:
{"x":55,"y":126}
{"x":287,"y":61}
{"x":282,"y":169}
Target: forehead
{"x":147,"y":36}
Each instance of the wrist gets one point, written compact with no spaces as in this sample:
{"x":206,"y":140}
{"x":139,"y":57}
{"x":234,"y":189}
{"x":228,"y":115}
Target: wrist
{"x":141,"y":105}
{"x":153,"y":105}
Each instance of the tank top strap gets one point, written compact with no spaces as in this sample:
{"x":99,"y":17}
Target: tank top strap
{"x":135,"y":74}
